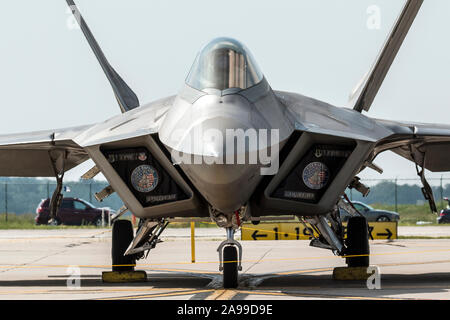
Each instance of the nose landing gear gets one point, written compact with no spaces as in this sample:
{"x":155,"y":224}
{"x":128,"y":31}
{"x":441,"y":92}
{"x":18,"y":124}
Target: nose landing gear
{"x":230,"y":264}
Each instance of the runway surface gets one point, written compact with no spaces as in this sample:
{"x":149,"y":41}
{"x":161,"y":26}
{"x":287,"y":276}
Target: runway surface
{"x":67,"y":264}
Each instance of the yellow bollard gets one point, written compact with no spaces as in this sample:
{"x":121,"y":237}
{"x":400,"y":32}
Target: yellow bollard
{"x":193,"y":242}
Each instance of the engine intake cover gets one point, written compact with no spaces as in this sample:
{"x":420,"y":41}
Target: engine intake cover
{"x":313,"y":174}
{"x":145,"y":177}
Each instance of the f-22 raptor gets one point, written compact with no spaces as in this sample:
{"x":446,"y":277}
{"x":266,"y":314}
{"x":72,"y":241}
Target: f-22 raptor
{"x":228,"y":148}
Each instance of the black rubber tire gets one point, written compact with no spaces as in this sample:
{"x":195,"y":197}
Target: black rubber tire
{"x":97,"y":222}
{"x":357,"y":242}
{"x":383,"y":219}
{"x":56,"y":222}
{"x":230,"y":269}
{"x":122,"y":235}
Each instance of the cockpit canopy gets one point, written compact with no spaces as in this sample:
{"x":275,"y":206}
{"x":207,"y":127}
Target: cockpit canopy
{"x":222,"y":64}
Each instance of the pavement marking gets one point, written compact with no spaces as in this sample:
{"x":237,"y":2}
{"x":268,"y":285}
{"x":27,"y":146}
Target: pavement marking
{"x":75,"y":236}
{"x":411,"y":263}
{"x":417,"y":287}
{"x":379,"y":265}
{"x":222,"y":294}
{"x":103,"y":267}
{"x":215,"y":294}
{"x":227,"y":295}
{"x":303,"y":271}
{"x":84,"y":291}
{"x":183,"y":270}
{"x":6,"y":266}
{"x":312,"y":295}
{"x":170,"y":294}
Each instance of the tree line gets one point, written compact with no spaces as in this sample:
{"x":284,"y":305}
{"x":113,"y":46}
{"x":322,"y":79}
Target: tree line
{"x":23,"y":195}
{"x":389,"y":193}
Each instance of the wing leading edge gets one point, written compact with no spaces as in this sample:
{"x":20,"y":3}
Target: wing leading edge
{"x":30,"y":154}
{"x":427,"y":145}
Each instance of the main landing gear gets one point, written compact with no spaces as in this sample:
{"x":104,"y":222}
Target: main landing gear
{"x":123,"y":265}
{"x":354,"y":247}
{"x":122,"y":236}
{"x":356,"y":252}
{"x":357,"y":242}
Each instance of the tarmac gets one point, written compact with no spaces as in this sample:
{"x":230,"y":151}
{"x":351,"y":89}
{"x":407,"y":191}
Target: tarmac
{"x":68,"y":263}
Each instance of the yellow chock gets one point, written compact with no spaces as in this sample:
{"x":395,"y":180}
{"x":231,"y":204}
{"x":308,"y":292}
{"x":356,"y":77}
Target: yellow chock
{"x":350,"y":273}
{"x":124,"y":276}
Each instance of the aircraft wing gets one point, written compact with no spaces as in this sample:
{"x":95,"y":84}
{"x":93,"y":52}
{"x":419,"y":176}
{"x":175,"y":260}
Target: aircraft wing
{"x":29,"y":154}
{"x":428,"y":145}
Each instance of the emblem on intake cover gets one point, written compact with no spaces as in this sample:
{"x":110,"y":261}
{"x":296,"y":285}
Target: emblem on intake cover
{"x":144,"y":178}
{"x":316,"y":175}
{"x":142,"y":156}
{"x":318,"y":153}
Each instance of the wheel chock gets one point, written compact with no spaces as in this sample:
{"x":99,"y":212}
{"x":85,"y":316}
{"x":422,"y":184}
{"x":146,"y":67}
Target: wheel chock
{"x":351,"y":273}
{"x":124,"y":276}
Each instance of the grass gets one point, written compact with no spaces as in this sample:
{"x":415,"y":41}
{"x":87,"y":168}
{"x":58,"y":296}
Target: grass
{"x":421,"y":237}
{"x":188,"y":225}
{"x":410,"y":214}
{"x":26,"y":221}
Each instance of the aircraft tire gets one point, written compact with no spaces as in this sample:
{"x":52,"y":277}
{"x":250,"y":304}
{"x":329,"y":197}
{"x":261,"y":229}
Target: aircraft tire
{"x":230,"y":269}
{"x":357,"y":242}
{"x":122,"y":236}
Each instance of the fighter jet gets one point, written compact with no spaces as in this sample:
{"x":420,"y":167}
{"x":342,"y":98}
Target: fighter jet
{"x":228,"y":148}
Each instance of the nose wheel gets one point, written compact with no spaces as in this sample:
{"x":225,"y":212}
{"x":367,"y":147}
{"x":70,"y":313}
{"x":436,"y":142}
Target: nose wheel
{"x":230,"y":267}
{"x":230,"y":257}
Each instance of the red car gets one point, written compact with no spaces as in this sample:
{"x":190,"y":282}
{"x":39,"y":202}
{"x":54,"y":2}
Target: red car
{"x":73,"y":211}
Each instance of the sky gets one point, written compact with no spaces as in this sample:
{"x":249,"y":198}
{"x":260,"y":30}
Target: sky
{"x":49,"y":77}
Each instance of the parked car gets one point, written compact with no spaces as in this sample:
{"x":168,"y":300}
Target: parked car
{"x":444,"y":216}
{"x":73,"y":211}
{"x":370,"y":213}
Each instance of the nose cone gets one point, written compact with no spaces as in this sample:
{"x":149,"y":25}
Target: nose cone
{"x":224,"y":172}
{"x":201,"y":128}
{"x":217,"y":147}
